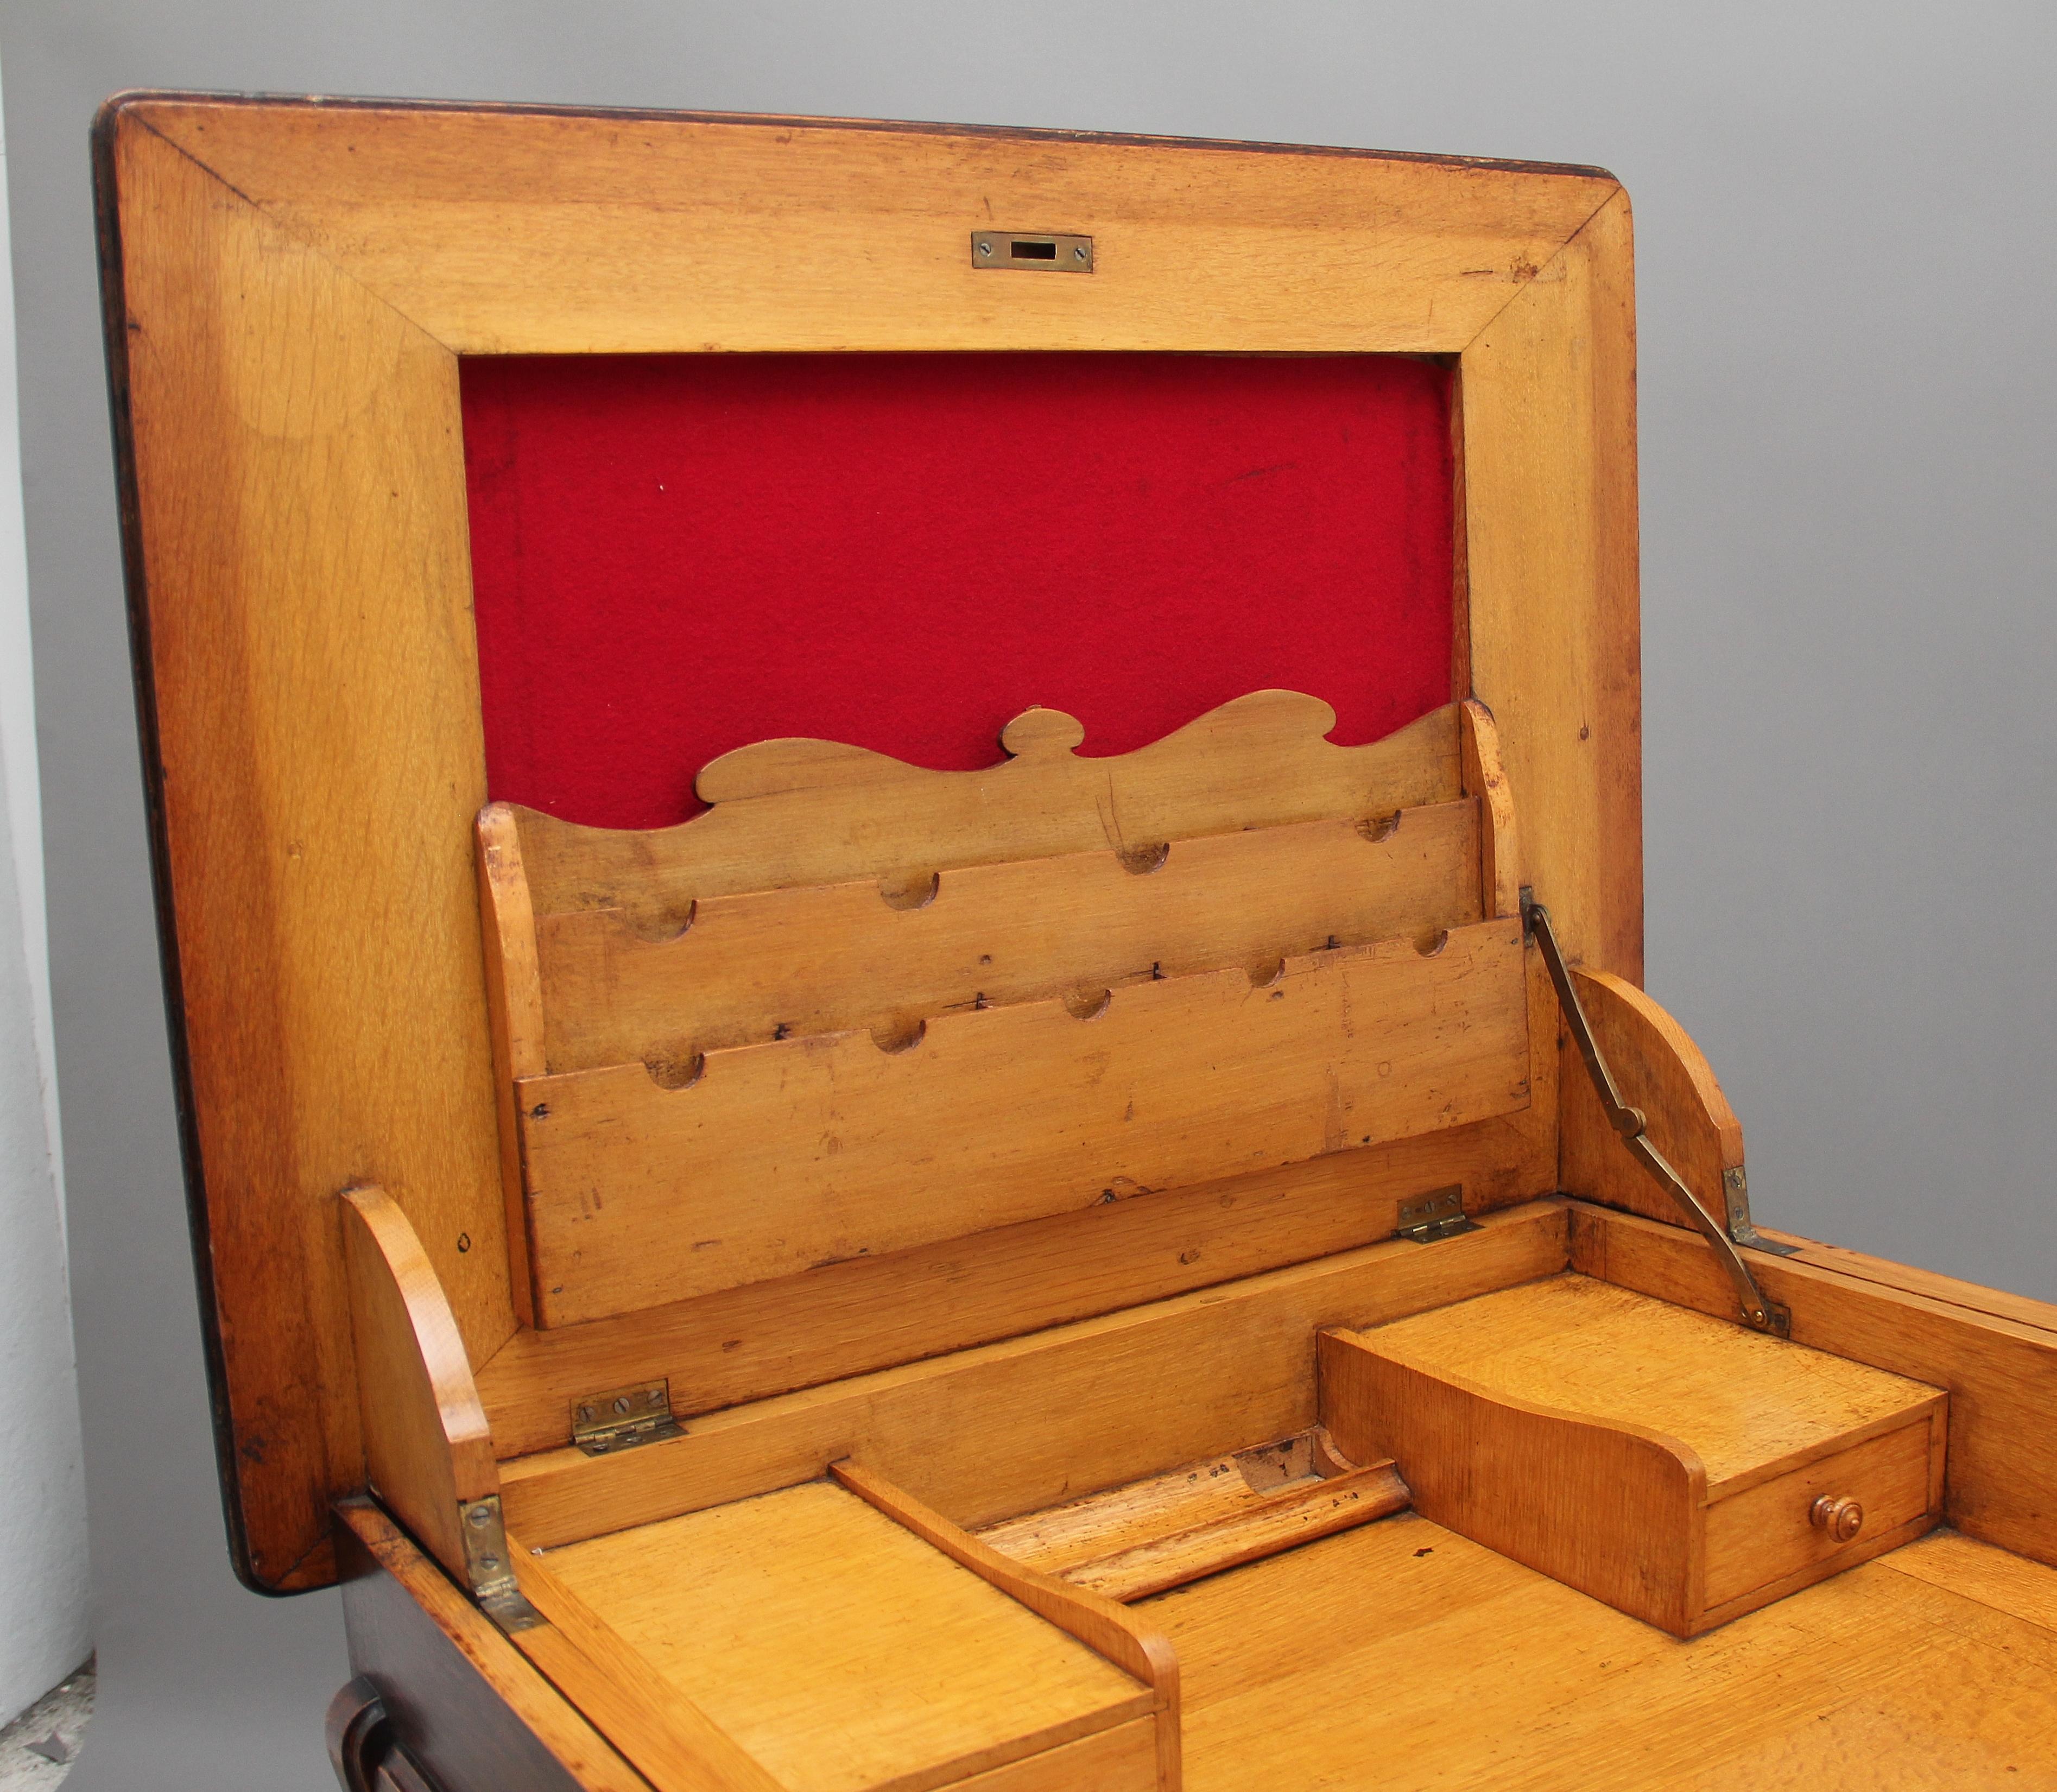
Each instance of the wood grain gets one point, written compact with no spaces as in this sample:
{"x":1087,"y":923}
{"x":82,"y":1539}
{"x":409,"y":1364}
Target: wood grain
{"x":1117,"y":1760}
{"x":790,"y":813}
{"x":2022,"y":1309}
{"x":1977,"y":1571}
{"x":1061,"y":1413}
{"x":1106,"y":1628}
{"x":836,"y":957}
{"x":782,"y":1155}
{"x":1548,"y":392}
{"x":298,"y":566}
{"x":1742,"y":1401}
{"x":1871,"y":1680}
{"x":427,"y":1447}
{"x":2001,"y":1376}
{"x":651,"y":1720}
{"x":838,"y":1649}
{"x":1755,"y":1542}
{"x":1658,"y":1068}
{"x":868,"y":1313}
{"x":462,"y":1700}
{"x":507,"y":232}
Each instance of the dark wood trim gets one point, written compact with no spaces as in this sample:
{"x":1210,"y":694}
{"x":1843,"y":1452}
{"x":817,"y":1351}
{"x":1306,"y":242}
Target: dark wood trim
{"x":788,"y":121}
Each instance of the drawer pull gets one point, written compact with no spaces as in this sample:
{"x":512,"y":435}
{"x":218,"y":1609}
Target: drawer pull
{"x":1837,"y":1514}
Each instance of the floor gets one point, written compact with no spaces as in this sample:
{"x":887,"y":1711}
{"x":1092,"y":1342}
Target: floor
{"x":37,"y":1750}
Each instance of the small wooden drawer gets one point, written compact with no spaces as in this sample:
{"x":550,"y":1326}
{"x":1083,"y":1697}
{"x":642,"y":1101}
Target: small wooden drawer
{"x":1767,"y":1537}
{"x":1680,"y":1468}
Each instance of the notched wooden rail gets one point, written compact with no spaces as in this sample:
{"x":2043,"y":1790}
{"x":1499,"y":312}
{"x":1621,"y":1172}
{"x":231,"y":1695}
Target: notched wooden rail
{"x":779,"y":1156}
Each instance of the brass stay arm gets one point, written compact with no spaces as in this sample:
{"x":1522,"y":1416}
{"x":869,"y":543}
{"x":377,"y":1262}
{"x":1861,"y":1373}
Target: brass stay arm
{"x":1628,"y":1123}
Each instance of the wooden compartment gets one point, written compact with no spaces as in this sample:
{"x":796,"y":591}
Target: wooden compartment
{"x":838,"y":1651}
{"x":1681,"y":1469}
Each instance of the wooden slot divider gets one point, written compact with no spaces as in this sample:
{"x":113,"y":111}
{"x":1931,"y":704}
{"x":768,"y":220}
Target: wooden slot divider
{"x":1485,"y":779}
{"x":2000,"y":1374}
{"x":1062,"y":1412}
{"x":801,"y":1151}
{"x":1107,"y":1628}
{"x":515,"y":1009}
{"x":871,"y":1313}
{"x":827,"y":958}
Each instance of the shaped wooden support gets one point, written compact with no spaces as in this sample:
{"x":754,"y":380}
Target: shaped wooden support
{"x":1658,"y":1069}
{"x":428,"y":1450}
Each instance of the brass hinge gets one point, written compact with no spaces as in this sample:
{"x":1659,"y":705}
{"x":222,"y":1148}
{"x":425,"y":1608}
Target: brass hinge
{"x":1438,"y":1215}
{"x":491,"y":1570}
{"x":1735,"y":1194}
{"x":1628,"y":1123}
{"x":620,"y":1418}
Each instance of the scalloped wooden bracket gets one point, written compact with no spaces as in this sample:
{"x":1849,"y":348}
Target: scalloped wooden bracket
{"x":797,"y":811}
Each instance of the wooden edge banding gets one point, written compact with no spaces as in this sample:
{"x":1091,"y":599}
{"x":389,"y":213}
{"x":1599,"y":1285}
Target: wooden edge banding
{"x":514,"y":1008}
{"x":1485,"y":778}
{"x":427,"y":1446}
{"x":557,"y":1724}
{"x":1105,"y":1626}
{"x":644,"y":1715}
{"x":2023,"y":1309}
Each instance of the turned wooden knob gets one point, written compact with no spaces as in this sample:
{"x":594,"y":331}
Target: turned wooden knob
{"x":1837,"y":1514}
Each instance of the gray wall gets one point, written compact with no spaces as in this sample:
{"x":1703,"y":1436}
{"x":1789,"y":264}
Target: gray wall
{"x":1846,"y":256}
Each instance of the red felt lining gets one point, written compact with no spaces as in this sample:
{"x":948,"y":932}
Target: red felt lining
{"x":676,"y":555}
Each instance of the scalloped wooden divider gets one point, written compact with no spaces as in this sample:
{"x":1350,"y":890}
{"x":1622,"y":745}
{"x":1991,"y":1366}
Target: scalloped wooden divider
{"x":789,"y":812}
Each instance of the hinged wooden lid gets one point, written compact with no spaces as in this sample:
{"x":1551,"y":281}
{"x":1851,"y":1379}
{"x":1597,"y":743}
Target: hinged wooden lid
{"x":289,"y":285}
